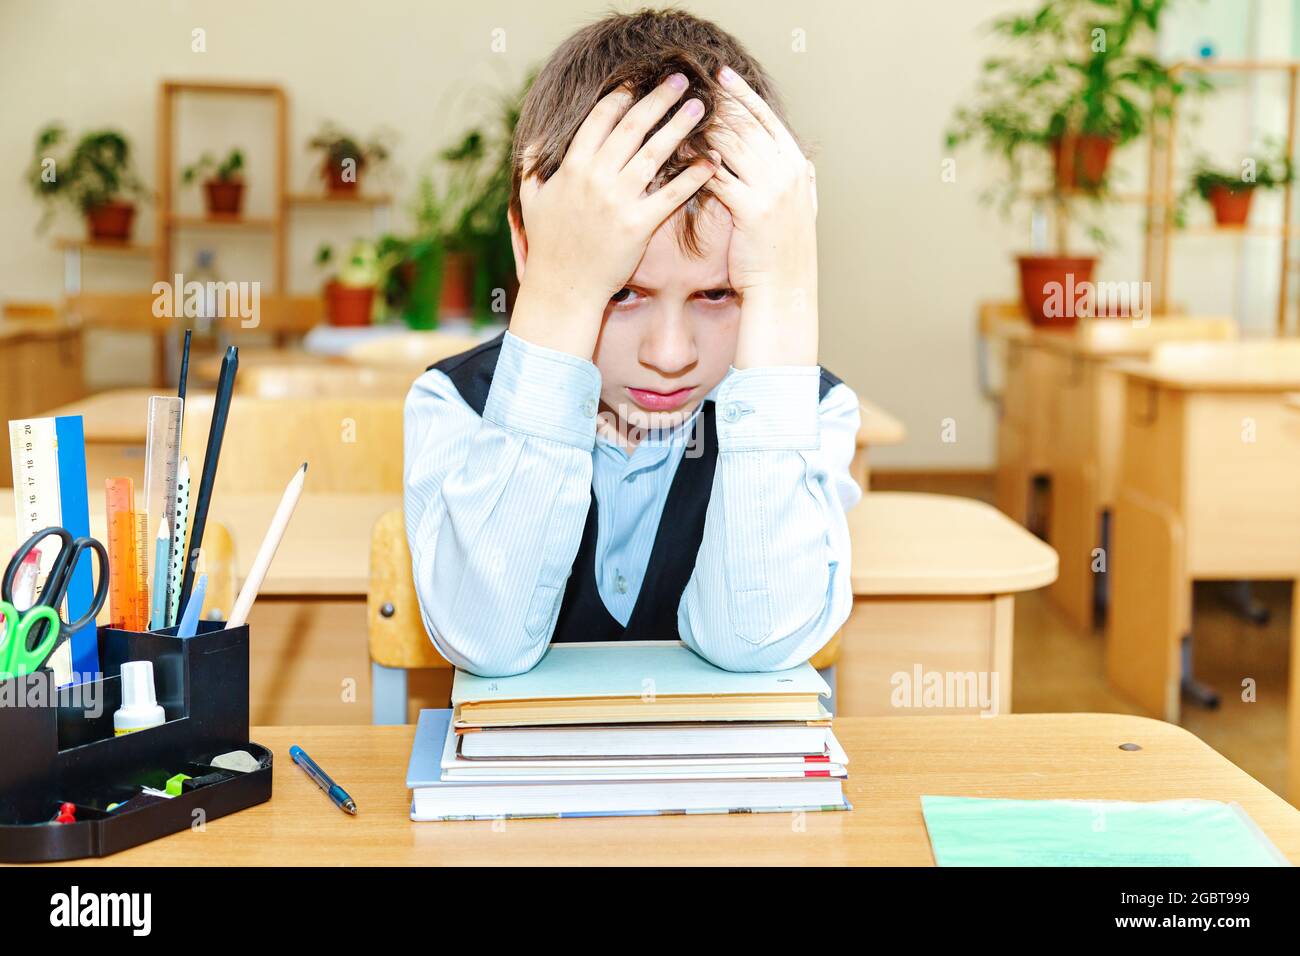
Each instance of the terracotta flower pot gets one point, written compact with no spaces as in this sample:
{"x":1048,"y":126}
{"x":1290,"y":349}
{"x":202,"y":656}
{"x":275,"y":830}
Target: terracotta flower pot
{"x":349,"y":305}
{"x":1231,"y":207}
{"x":335,"y":184}
{"x":1051,"y":286}
{"x":225,"y":197}
{"x":1081,"y":161}
{"x":111,"y":221}
{"x":457,"y":299}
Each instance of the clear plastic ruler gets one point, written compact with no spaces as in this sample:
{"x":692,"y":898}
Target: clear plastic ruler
{"x":162,"y":455}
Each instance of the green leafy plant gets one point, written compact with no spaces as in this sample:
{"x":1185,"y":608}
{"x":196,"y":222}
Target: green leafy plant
{"x":94,"y":170}
{"x":1266,"y":172}
{"x":228,"y":170}
{"x":1071,"y":69}
{"x":339,"y":147}
{"x":364,"y":266}
{"x":462,"y":202}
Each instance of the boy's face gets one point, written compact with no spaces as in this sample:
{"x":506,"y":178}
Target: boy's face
{"x":669,"y":336}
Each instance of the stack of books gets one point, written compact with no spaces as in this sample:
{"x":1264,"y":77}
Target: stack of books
{"x":624,"y":729}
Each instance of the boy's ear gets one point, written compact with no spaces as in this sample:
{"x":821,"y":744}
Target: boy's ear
{"x":518,"y":244}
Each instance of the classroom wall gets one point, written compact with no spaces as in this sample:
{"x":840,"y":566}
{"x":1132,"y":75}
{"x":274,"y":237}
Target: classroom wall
{"x":905,"y":256}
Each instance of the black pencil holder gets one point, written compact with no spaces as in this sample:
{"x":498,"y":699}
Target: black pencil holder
{"x":64,"y":750}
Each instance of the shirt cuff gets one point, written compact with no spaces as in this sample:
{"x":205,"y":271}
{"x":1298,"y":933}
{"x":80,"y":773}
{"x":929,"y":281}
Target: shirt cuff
{"x":769,"y":408}
{"x":545,"y":393}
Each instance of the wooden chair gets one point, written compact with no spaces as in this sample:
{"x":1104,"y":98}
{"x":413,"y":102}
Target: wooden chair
{"x":398,"y":640}
{"x":352,"y":445}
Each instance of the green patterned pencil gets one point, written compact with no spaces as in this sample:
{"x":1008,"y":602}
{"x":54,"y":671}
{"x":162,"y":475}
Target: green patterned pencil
{"x":179,"y":542}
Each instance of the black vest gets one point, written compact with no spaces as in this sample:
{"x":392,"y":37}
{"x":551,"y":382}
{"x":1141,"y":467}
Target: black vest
{"x":583,"y":615}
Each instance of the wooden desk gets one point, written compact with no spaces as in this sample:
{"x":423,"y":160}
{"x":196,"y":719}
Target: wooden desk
{"x":116,"y":425}
{"x":876,"y":427}
{"x":1207,"y":490}
{"x":934,"y":583}
{"x":1061,"y":418}
{"x":893,"y":762}
{"x":40,"y":366}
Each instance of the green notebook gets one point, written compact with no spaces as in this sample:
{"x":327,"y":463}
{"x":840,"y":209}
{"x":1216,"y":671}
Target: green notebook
{"x":635,"y":681}
{"x":970,"y":831}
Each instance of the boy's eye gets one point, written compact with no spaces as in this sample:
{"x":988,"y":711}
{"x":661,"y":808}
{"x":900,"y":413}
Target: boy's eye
{"x":622,"y":295}
{"x":718,"y":295}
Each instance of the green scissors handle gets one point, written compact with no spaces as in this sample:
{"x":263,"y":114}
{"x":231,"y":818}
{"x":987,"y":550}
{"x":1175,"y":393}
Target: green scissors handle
{"x":15,"y":657}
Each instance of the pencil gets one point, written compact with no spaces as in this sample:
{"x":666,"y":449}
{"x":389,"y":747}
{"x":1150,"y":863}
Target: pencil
{"x":161,"y":546}
{"x":178,"y":541}
{"x":185,"y":366}
{"x":279,"y":521}
{"x":220,"y":412}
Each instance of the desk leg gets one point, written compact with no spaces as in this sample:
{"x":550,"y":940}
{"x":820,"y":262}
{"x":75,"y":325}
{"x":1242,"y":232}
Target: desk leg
{"x":1073,"y":525}
{"x":1150,"y":605}
{"x":1293,"y":703}
{"x":387,"y":694}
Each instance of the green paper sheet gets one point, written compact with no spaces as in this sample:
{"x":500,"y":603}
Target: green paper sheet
{"x":971,"y":831}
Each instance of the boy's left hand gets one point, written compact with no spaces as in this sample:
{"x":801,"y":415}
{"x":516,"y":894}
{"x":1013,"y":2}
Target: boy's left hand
{"x":769,"y":189}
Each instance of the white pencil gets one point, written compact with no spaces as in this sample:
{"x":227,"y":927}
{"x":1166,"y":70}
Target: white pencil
{"x":265,"y":554}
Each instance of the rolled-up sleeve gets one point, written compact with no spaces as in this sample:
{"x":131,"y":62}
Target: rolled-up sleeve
{"x":771,"y":582}
{"x":495,"y":505}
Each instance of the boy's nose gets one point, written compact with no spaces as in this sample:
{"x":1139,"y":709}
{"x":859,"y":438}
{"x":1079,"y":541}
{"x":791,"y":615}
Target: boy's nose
{"x":669,"y":344}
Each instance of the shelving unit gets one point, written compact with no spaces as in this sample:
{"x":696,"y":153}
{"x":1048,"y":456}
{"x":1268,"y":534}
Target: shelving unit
{"x":1161,"y":207}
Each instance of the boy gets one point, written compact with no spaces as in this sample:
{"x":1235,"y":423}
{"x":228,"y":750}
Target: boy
{"x":651,"y":451}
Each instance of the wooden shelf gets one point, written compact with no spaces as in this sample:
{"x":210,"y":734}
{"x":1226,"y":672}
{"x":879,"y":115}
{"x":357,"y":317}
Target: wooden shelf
{"x":1238,"y":232}
{"x":224,"y":222}
{"x":324,"y":199}
{"x":112,"y":247}
{"x":221,"y":87}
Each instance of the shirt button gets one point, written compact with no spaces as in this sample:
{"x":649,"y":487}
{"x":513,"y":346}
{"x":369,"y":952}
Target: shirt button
{"x":620,"y":584}
{"x":731,"y":412}
{"x":589,"y":408}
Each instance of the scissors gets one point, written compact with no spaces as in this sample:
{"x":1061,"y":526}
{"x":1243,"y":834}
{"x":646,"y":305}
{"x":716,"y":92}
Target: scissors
{"x":17,"y":656}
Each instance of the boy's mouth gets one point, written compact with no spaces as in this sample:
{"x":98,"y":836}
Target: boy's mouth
{"x":660,"y":401}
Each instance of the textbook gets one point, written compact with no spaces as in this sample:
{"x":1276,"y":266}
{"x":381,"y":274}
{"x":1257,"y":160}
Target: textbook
{"x":435,"y":797}
{"x":634,"y":682}
{"x":737,"y":738}
{"x":455,"y":766}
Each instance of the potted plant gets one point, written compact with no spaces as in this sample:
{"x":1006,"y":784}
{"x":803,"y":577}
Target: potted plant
{"x":350,"y":291}
{"x":1074,"y":83}
{"x":224,"y":182}
{"x":95,"y":176}
{"x":1229,"y":192}
{"x":462,"y":223}
{"x":345,"y":157}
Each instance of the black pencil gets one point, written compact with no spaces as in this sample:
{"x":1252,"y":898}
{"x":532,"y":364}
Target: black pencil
{"x":220,"y":412}
{"x":185,"y":366}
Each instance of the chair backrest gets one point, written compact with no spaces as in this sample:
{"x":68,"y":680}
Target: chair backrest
{"x":1124,"y":336}
{"x":397,"y":634}
{"x":1259,"y":362}
{"x":352,"y":445}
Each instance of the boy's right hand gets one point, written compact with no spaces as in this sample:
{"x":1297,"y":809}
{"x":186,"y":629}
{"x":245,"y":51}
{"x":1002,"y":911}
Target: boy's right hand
{"x":589,"y":224}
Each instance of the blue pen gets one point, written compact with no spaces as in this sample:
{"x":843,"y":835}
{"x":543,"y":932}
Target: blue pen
{"x":161,"y":562}
{"x":335,"y":792}
{"x":189,"y":625}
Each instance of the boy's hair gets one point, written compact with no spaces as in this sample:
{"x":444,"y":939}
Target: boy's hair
{"x":641,"y":50}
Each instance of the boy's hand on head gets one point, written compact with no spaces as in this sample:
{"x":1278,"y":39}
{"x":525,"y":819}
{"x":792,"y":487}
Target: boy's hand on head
{"x":589,"y":224}
{"x":769,"y":189}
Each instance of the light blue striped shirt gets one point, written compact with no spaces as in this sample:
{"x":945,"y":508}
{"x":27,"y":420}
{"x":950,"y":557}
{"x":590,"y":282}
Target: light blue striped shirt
{"x":495,"y":507}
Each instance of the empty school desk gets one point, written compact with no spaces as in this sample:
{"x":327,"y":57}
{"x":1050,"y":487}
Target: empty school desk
{"x":893,"y":762}
{"x":1207,"y":490}
{"x":934,"y":584}
{"x":40,"y":366}
{"x":1061,"y":411}
{"x":876,"y":428}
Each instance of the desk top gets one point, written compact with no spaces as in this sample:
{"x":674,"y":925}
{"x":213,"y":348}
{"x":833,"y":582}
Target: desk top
{"x":13,"y":331}
{"x":893,"y":762}
{"x":325,"y":551}
{"x":1102,"y":338}
{"x":877,"y":426}
{"x":1253,"y":366}
{"x":117,"y":416}
{"x":914,"y":544}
